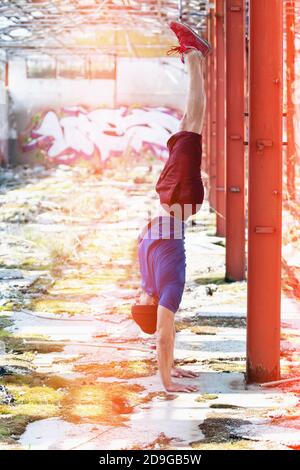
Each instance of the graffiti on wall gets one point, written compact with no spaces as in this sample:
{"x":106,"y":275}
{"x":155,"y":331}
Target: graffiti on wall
{"x":75,"y":132}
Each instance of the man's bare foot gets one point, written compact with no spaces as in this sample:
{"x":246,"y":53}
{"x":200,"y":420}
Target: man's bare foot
{"x":178,"y":372}
{"x":177,"y":387}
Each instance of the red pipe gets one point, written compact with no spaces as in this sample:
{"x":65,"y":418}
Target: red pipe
{"x":206,"y":161}
{"x":290,"y":79}
{"x":220,"y":119}
{"x":235,"y":150}
{"x":265,"y":191}
{"x":212,"y":113}
{"x":6,"y":80}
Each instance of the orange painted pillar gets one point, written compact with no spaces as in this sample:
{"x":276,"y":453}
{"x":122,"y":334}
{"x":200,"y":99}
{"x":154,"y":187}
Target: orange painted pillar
{"x":290,"y":78}
{"x":206,"y":164}
{"x":6,"y":79}
{"x":212,"y":112}
{"x":204,"y":130}
{"x":265,"y":190}
{"x":220,"y":119}
{"x":235,"y":150}
{"x":205,"y":127}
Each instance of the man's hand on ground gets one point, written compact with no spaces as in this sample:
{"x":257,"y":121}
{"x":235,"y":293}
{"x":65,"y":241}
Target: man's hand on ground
{"x":177,"y":372}
{"x":177,"y":387}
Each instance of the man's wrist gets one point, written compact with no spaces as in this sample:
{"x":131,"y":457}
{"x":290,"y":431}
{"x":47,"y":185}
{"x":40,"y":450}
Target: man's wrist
{"x":167,"y":383}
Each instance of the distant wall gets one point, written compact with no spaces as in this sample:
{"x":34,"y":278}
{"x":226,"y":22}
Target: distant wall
{"x":157,"y":82}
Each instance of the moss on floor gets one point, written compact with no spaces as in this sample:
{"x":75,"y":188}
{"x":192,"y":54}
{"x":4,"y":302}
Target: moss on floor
{"x":120,"y":370}
{"x":30,"y":404}
{"x":236,"y":444}
{"x":226,"y":366}
{"x":214,"y":278}
{"x":18,"y":360}
{"x":210,"y":321}
{"x":11,"y":427}
{"x":38,"y":380}
{"x":217,"y":431}
{"x":236,"y":364}
{"x":7,"y":307}
{"x":205,"y":397}
{"x":21,"y":344}
{"x":5,"y":322}
{"x":204,"y":330}
{"x":223,"y":406}
{"x":58,"y":306}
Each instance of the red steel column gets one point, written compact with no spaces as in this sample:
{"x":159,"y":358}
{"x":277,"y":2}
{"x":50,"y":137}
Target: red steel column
{"x":212,"y":113}
{"x":265,"y":197}
{"x":206,"y":162}
{"x":290,"y":78}
{"x":220,"y":119}
{"x":235,"y":150}
{"x":6,"y":79}
{"x":204,"y":166}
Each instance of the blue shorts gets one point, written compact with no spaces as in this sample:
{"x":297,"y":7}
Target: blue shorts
{"x":162,"y":265}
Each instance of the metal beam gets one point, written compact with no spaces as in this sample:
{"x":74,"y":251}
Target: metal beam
{"x":67,"y":21}
{"x":235,"y":150}
{"x":290,"y":79}
{"x":220,"y":119}
{"x":206,"y":161}
{"x":205,"y":133}
{"x":265,"y":191}
{"x":212,"y":111}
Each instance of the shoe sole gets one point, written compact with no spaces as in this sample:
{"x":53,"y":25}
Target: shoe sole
{"x":197,"y":36}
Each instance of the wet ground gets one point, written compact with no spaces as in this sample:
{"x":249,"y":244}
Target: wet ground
{"x":76,"y":373}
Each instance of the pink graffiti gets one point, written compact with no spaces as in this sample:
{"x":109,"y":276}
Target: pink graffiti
{"x":75,"y":132}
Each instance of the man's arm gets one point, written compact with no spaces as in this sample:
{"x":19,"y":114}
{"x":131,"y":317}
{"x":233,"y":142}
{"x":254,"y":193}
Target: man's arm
{"x":165,"y":351}
{"x":177,"y":371}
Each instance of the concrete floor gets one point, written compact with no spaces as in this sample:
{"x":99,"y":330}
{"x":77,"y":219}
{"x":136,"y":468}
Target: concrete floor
{"x":76,"y":373}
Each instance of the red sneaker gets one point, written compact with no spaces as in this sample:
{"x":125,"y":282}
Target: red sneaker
{"x":188,"y":39}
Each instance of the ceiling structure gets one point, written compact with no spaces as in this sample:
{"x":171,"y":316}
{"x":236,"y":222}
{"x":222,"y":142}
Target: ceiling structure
{"x":87,"y":25}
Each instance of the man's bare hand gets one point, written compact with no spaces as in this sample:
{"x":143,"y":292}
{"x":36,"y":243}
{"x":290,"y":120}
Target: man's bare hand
{"x":178,"y":372}
{"x":177,"y":387}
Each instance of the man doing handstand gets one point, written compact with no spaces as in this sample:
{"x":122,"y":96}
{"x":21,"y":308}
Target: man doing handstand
{"x":161,"y":250}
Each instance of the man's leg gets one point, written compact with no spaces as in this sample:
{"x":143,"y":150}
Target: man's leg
{"x":193,"y":118}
